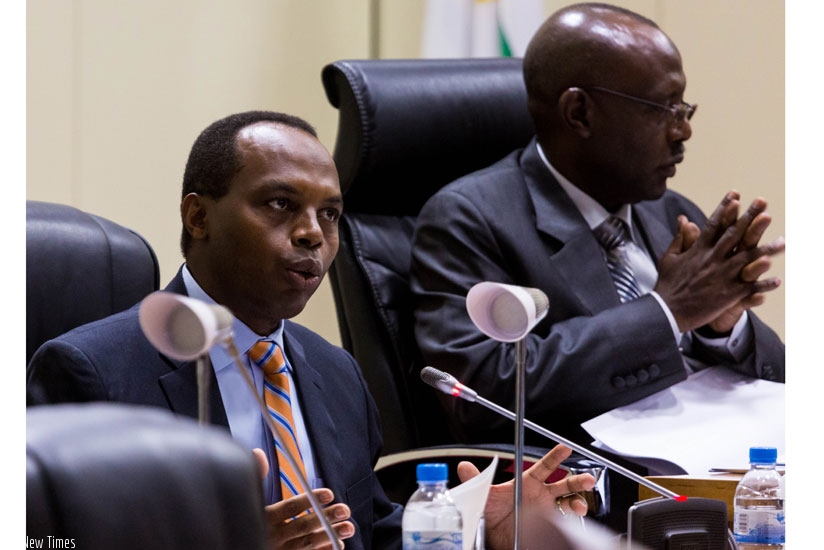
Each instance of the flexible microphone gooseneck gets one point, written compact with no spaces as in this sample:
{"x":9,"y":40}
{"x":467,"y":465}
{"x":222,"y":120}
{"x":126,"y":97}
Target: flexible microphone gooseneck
{"x":448,"y":384}
{"x":185,"y":328}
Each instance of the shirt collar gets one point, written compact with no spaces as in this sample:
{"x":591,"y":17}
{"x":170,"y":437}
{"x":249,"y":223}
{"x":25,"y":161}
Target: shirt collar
{"x":243,"y":336}
{"x":590,"y":209}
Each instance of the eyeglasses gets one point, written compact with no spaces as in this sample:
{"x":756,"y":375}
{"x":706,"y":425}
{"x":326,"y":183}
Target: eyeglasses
{"x":681,"y":112}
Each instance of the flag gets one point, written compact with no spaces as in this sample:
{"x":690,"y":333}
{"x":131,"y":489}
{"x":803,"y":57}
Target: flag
{"x":479,"y":28}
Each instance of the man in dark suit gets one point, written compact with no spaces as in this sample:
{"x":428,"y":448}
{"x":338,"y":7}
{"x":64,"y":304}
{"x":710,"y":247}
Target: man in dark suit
{"x":605,"y":90}
{"x":260,"y":209}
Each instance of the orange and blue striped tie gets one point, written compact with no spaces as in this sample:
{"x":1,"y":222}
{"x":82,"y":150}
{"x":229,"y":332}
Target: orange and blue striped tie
{"x":268,"y":356}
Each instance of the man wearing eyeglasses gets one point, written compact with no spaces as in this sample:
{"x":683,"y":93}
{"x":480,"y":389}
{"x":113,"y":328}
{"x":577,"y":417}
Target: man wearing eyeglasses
{"x":643,"y":288}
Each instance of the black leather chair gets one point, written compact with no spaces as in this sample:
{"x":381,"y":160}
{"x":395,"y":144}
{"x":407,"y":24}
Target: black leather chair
{"x":407,"y":128}
{"x":106,"y":475}
{"x":80,"y":268}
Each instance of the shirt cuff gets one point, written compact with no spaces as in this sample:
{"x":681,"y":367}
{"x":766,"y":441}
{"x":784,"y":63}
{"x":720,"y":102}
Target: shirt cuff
{"x":737,"y":344}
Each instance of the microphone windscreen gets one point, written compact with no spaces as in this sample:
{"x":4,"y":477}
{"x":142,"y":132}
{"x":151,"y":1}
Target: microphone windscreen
{"x":505,"y":312}
{"x":432,"y":376}
{"x":541,"y":301}
{"x":223,"y":317}
{"x":182,"y":327}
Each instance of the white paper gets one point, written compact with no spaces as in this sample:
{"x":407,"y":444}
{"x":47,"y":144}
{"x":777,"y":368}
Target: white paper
{"x":470,"y":498}
{"x":708,"y":421}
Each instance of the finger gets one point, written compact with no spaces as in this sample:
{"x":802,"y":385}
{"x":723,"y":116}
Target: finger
{"x":689,"y":232}
{"x":337,"y":512}
{"x":262,"y":462}
{"x":765,"y":285}
{"x":306,"y":531}
{"x":294,"y":506}
{"x":753,"y":270}
{"x":541,"y":470}
{"x":319,"y":540}
{"x":754,"y":300}
{"x":715,"y":224}
{"x":755,"y":231}
{"x":466,"y":471}
{"x":771,"y":249}
{"x":734,"y":234}
{"x":571,"y":504}
{"x":572,"y":484}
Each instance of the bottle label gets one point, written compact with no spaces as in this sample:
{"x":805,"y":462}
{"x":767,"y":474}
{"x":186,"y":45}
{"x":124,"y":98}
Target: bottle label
{"x":432,"y":540}
{"x":764,"y":526}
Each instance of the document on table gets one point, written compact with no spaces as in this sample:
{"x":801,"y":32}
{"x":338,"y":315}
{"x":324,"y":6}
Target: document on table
{"x":470,"y":498}
{"x":708,"y":421}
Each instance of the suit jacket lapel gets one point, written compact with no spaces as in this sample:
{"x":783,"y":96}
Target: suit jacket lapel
{"x":654,"y":229}
{"x":319,"y":424}
{"x":578,"y":260}
{"x":180,"y":385}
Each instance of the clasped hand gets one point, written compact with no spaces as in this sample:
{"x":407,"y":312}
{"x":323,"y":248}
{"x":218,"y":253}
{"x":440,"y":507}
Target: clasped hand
{"x":710,"y":276}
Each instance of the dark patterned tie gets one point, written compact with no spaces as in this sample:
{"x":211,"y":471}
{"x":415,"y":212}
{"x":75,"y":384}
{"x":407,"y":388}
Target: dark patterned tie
{"x":613,"y":236}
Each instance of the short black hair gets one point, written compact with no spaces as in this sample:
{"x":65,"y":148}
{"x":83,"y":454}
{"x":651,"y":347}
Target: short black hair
{"x":214,"y":159}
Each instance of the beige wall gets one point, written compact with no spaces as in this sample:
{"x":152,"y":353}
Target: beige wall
{"x":117,"y":92}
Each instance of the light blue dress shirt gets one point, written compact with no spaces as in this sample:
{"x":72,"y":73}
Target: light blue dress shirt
{"x":242,"y":410}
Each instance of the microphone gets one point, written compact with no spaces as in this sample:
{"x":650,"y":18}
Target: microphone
{"x":506,"y":313}
{"x":182,"y":327}
{"x":185,"y":328}
{"x":448,"y":384}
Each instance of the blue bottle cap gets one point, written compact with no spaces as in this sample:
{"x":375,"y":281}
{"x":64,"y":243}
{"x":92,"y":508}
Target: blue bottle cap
{"x":763,"y":455}
{"x":432,"y":472}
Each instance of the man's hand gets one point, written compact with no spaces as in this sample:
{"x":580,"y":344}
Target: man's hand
{"x":710,"y":276}
{"x":287,"y":529}
{"x":539,"y":497}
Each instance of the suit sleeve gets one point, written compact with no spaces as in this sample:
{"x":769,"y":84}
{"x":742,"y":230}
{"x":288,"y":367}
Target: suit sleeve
{"x":59,"y":372}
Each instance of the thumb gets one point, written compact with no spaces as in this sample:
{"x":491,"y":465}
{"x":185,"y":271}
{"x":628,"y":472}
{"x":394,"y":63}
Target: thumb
{"x":466,"y":471}
{"x":262,"y":462}
{"x":689,"y":232}
{"x":677,"y":244}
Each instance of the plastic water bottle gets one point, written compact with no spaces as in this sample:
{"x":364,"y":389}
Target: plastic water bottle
{"x":431,"y":520}
{"x":759,"y":504}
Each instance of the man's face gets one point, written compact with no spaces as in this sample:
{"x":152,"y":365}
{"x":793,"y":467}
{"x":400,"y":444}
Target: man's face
{"x":272,"y":238}
{"x":637,"y":146}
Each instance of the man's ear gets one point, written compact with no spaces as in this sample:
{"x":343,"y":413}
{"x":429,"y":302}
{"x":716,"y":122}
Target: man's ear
{"x":193,"y":215}
{"x":573,"y":109}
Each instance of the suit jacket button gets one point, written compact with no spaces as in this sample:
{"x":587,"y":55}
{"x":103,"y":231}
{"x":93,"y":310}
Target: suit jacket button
{"x":619,"y":382}
{"x":631,"y":381}
{"x":643,"y":375}
{"x":654,"y":371}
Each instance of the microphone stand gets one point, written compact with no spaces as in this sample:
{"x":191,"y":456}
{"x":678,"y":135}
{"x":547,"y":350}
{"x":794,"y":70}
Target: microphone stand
{"x":203,"y":377}
{"x":449,"y":385}
{"x":520,"y":406}
{"x":230,"y":347}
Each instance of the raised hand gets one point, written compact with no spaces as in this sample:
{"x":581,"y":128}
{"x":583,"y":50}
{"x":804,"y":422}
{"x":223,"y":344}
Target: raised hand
{"x":537,"y":496}
{"x":287,"y":529}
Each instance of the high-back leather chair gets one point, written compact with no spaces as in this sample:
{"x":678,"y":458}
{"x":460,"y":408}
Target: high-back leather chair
{"x":80,"y":268}
{"x":406,"y":128}
{"x":102,"y":476}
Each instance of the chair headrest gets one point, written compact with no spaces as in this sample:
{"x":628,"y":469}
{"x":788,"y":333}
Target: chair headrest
{"x":407,"y":127}
{"x":111,"y":475}
{"x":80,"y":268}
